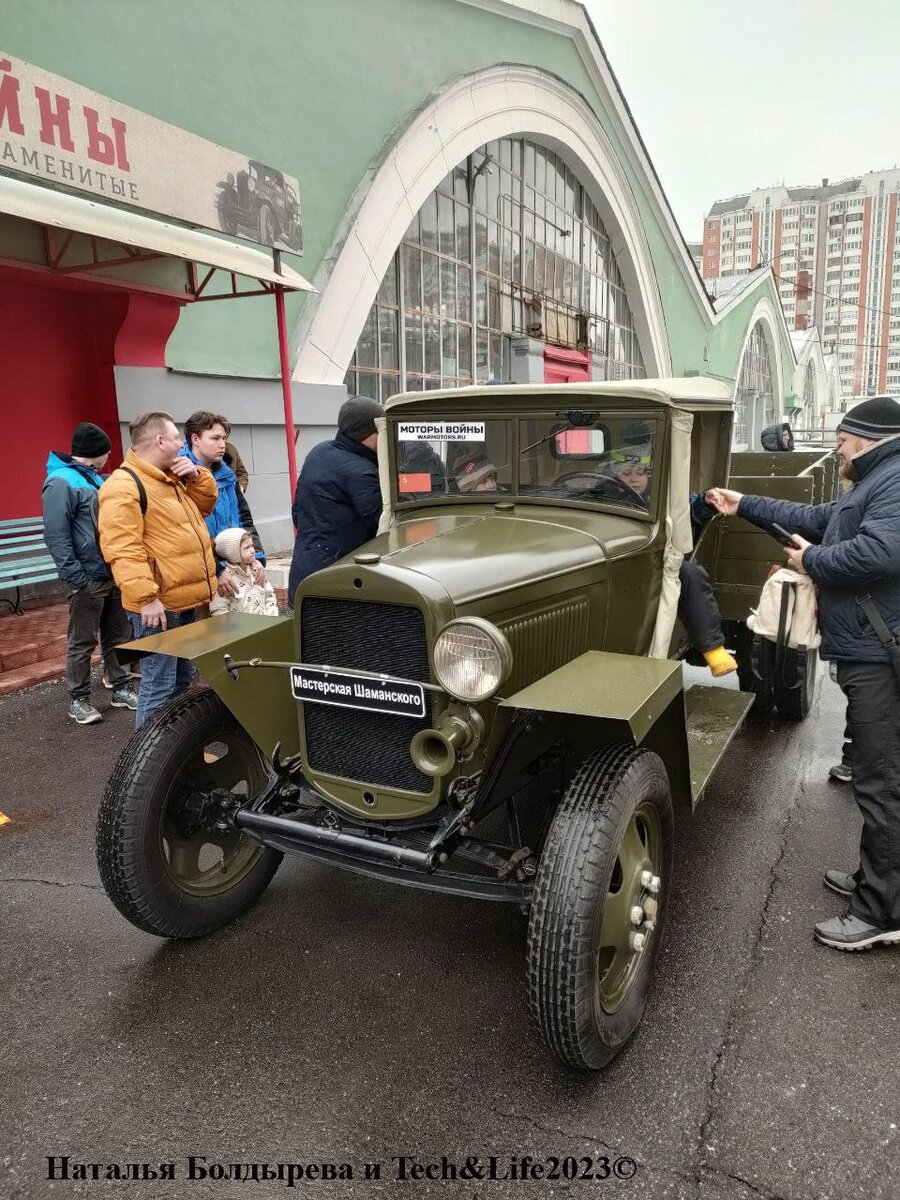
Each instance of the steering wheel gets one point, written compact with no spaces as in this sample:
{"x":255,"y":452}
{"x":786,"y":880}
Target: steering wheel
{"x":605,"y":485}
{"x":570,"y":476}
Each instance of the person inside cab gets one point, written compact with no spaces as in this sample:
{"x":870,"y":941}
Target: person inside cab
{"x":631,"y":466}
{"x":697,"y":607}
{"x":473,"y":472}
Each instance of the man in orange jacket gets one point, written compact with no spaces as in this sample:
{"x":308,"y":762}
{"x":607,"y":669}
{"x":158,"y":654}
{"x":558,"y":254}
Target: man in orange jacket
{"x":154,"y":537}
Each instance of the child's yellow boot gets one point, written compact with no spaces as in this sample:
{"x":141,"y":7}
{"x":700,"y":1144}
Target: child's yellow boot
{"x":719,"y":661}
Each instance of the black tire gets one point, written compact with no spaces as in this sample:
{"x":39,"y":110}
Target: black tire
{"x":150,"y":866}
{"x":268,"y":225}
{"x":227,"y":206}
{"x":586,"y":986}
{"x":801,"y":670}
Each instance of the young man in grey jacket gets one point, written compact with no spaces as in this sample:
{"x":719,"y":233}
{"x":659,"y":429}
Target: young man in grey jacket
{"x":69,"y":497}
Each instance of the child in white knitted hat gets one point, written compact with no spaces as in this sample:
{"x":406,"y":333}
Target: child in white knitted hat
{"x":235,"y":547}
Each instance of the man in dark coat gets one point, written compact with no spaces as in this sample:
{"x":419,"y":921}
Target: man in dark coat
{"x":338,"y":500}
{"x":848,"y":548}
{"x":69,"y":498}
{"x":777,"y":437}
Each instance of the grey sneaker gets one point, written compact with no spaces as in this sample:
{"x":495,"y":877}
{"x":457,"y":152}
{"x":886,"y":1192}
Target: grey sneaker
{"x":842,"y":772}
{"x":124,"y":697}
{"x":107,"y":683}
{"x":84,"y":712}
{"x":841,"y":882}
{"x":852,"y":933}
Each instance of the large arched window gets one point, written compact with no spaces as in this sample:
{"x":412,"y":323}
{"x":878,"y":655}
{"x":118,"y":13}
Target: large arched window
{"x":754,"y":401}
{"x":509,"y":244}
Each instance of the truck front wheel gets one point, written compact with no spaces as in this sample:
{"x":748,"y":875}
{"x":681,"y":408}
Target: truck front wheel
{"x":598,"y":905}
{"x":268,"y":226}
{"x":227,"y":208}
{"x":167,"y":859}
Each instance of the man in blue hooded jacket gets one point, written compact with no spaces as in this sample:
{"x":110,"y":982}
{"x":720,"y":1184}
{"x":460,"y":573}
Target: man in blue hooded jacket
{"x":338,"y":499}
{"x":206,"y":439}
{"x":69,"y":497}
{"x":848,"y":548}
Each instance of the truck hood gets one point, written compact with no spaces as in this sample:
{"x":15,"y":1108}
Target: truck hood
{"x":471,"y":556}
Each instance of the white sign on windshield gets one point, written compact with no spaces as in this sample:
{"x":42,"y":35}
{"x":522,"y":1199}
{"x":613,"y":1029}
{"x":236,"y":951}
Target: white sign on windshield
{"x":440,"y":431}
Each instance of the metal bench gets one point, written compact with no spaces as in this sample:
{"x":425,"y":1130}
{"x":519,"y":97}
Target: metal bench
{"x":23,"y":557}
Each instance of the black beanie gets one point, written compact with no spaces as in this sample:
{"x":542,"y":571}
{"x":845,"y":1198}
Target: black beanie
{"x":874,"y":419}
{"x":356,"y":418}
{"x":89,"y":441}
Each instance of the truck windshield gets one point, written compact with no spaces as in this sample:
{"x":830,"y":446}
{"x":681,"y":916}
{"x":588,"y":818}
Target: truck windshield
{"x":606,"y":458}
{"x":452,"y":457}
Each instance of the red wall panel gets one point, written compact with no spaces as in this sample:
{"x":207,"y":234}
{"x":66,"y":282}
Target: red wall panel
{"x":57,"y":354}
{"x":566,"y":366}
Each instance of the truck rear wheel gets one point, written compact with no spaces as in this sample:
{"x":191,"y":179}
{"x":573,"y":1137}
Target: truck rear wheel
{"x":598,"y":905}
{"x":167,"y":861}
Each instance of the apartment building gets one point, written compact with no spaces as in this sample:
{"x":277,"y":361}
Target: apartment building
{"x":835,"y":252}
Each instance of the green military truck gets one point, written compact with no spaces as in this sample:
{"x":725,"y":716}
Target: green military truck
{"x":487,"y":699}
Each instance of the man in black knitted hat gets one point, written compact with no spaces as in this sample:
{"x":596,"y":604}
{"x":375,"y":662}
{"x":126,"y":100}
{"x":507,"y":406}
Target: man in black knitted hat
{"x":338,"y":499}
{"x":69,"y":497}
{"x":850,"y":548}
{"x":473,"y":471}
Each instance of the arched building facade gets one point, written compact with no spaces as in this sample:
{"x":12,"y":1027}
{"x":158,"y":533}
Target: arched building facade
{"x":508,"y":248}
{"x":812,"y":389}
{"x":486,"y":210}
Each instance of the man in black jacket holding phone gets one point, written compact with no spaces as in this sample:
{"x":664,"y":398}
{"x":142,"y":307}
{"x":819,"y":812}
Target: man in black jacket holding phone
{"x":850,"y":548}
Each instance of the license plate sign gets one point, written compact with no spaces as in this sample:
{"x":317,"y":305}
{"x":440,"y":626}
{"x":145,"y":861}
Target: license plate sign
{"x":349,"y":691}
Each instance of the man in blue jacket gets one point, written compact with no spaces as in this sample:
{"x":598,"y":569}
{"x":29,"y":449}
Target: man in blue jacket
{"x":69,"y":498}
{"x":849,"y":548}
{"x":206,"y":438}
{"x":338,"y":500}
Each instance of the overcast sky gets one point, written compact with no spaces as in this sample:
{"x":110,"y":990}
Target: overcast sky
{"x":730,"y":96}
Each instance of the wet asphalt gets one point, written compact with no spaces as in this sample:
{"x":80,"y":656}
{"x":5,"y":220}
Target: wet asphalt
{"x":348,"y":1021}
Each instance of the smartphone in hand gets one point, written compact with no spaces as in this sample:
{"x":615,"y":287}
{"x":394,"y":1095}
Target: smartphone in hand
{"x":782,"y":535}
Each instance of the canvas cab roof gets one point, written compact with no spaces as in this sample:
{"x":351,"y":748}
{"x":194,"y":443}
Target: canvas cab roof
{"x":691,"y":393}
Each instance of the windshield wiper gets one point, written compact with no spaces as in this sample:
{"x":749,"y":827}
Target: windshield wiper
{"x":575,"y":418}
{"x":540,"y":442}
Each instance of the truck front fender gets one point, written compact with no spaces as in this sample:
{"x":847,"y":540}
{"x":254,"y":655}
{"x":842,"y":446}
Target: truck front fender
{"x":260,"y":699}
{"x":604,"y":697}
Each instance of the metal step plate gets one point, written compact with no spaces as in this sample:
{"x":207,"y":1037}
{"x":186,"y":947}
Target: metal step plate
{"x":713,"y":717}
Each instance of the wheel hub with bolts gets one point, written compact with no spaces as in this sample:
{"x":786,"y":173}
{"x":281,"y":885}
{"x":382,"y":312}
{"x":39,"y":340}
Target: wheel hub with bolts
{"x":643,"y":915}
{"x":631,"y":908}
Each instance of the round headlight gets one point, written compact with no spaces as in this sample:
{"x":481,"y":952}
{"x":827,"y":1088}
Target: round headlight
{"x":471,"y":659}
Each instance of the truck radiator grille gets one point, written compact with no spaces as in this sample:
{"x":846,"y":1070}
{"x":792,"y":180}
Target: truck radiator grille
{"x":369,"y":747}
{"x":545,"y":640}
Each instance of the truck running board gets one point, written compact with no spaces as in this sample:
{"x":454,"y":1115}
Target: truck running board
{"x":713,"y":716}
